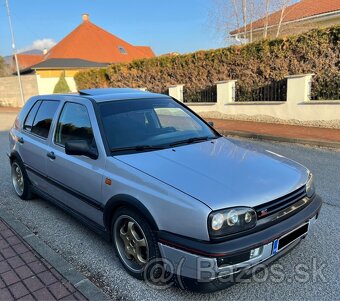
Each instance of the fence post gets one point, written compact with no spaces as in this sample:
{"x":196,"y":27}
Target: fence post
{"x":226,"y":91}
{"x":177,"y":92}
{"x":299,"y":88}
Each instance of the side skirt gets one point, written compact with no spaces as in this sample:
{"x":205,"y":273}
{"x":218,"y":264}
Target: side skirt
{"x":83,"y":219}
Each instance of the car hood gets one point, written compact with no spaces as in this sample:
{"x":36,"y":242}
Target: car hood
{"x":222,"y":173}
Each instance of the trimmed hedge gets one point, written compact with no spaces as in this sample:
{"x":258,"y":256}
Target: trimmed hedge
{"x":253,"y":65}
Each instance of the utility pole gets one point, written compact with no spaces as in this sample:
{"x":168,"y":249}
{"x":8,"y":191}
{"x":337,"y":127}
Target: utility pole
{"x":15,"y":54}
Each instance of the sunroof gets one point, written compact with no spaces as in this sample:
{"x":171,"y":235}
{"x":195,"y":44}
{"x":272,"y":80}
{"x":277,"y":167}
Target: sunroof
{"x":122,"y":50}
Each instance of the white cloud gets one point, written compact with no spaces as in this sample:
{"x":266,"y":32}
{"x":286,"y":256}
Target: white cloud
{"x":39,"y":44}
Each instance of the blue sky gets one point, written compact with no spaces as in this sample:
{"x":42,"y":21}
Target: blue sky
{"x":165,"y":25}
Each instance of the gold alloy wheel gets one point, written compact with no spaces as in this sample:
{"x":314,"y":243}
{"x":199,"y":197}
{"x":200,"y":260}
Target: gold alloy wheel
{"x":131,"y":243}
{"x":17,"y":179}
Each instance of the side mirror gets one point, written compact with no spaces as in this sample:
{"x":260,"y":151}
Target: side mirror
{"x":80,"y":148}
{"x":211,"y":123}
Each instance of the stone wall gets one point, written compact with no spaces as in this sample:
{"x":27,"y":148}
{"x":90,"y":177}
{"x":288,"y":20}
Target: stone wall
{"x":10,"y":93}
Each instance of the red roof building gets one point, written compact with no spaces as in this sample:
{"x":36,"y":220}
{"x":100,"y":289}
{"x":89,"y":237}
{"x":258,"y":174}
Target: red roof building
{"x":87,"y":43}
{"x":27,"y":60}
{"x":296,"y":18}
{"x":92,"y":43}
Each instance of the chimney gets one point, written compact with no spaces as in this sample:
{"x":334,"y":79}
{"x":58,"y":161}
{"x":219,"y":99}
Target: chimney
{"x":85,"y":17}
{"x":44,"y":51}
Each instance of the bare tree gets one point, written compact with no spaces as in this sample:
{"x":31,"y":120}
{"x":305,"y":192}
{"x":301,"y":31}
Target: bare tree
{"x":244,"y":17}
{"x":229,"y":15}
{"x":265,"y":29}
{"x":284,"y":4}
{"x":2,"y":67}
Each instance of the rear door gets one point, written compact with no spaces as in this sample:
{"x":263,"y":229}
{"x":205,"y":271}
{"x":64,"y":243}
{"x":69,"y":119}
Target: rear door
{"x":76,"y":180}
{"x":34,"y":140}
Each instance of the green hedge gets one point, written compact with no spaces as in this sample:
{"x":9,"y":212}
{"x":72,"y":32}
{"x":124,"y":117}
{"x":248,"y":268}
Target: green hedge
{"x":253,"y":65}
{"x":61,"y":86}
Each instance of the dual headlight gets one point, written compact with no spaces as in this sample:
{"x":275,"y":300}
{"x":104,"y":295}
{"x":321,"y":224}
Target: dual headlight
{"x":238,"y":219}
{"x":310,"y":187}
{"x":229,"y":221}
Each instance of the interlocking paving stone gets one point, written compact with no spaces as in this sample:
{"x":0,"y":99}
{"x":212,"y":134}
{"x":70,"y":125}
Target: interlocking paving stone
{"x":25,"y":275}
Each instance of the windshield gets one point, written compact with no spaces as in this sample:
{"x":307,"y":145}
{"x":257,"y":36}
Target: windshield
{"x":150,"y":124}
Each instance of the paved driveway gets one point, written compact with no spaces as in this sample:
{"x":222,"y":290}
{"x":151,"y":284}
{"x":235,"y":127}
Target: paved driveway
{"x":311,"y":271}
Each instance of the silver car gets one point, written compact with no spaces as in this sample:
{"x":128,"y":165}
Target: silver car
{"x":177,"y":199}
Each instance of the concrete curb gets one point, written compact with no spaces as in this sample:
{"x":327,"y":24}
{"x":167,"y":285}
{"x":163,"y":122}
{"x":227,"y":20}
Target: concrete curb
{"x":80,"y":282}
{"x":312,"y":142}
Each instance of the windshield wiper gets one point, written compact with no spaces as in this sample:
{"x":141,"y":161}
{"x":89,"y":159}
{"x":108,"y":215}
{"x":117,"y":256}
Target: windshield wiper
{"x":191,"y":140}
{"x":136,"y":148}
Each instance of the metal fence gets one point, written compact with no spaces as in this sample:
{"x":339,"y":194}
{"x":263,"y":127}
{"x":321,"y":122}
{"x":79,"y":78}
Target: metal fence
{"x":329,"y":90}
{"x":274,"y":91}
{"x":208,"y":94}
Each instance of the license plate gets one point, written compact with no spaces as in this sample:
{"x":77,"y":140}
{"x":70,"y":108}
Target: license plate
{"x":288,"y":238}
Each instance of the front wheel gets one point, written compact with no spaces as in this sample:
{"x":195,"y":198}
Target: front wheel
{"x":137,"y":248}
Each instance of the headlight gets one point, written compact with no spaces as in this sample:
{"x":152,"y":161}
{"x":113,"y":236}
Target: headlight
{"x":310,"y":188}
{"x":229,"y":221}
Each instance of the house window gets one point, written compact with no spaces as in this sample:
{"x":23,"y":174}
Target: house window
{"x":122,"y":50}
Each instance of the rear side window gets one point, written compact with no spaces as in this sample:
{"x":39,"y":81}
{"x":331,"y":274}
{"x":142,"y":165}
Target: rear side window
{"x":43,"y":120}
{"x":30,"y":117}
{"x":74,"y":124}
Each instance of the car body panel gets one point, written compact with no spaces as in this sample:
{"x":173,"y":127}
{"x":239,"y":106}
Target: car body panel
{"x":222,"y":173}
{"x":171,"y":209}
{"x":77,"y":180}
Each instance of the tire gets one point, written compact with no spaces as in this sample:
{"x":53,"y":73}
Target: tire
{"x":142,"y":262}
{"x":20,"y":181}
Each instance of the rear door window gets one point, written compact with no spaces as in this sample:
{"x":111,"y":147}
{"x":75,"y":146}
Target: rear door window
{"x":30,"y":117}
{"x":43,"y":120}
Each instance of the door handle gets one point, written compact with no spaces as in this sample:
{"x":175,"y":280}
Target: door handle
{"x":51,"y":155}
{"x":20,"y":140}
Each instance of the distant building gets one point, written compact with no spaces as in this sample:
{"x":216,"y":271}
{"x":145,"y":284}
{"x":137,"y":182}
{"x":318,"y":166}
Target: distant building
{"x":87,"y":46}
{"x":296,"y":18}
{"x":25,"y":61}
{"x":171,"y":54}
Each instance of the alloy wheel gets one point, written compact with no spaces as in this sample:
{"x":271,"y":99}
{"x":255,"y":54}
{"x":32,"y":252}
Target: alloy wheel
{"x":18,"y":179}
{"x":131,"y":243}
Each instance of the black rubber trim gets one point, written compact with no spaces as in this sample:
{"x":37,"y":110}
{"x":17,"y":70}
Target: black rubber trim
{"x":244,"y":243}
{"x":83,"y":219}
{"x":89,"y":201}
{"x":124,"y":200}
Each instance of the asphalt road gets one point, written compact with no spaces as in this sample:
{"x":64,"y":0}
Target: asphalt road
{"x":311,"y":271}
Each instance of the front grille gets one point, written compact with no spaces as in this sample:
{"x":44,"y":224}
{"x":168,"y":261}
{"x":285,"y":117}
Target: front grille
{"x":281,"y":203}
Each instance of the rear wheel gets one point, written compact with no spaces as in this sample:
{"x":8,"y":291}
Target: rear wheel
{"x":20,"y":181}
{"x":136,"y":247}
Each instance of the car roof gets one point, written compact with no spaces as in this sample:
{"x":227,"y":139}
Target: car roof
{"x":111,"y":94}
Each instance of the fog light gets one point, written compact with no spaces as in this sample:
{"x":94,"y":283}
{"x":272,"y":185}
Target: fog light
{"x":255,"y":252}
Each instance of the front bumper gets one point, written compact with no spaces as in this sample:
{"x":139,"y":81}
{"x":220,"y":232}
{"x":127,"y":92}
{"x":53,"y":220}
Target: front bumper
{"x":202,"y":260}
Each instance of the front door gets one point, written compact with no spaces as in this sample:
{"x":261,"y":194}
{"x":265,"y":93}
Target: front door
{"x":76,"y":180}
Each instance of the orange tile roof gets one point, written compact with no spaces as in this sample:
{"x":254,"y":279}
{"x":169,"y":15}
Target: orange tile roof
{"x":28,"y":60}
{"x":297,"y":11}
{"x":147,"y":50}
{"x":92,"y":43}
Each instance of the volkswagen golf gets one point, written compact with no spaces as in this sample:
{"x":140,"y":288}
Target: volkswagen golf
{"x":173,"y":195}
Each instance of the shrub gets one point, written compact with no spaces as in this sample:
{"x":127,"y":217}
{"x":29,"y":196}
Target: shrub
{"x":253,"y":65}
{"x":61,"y":86}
